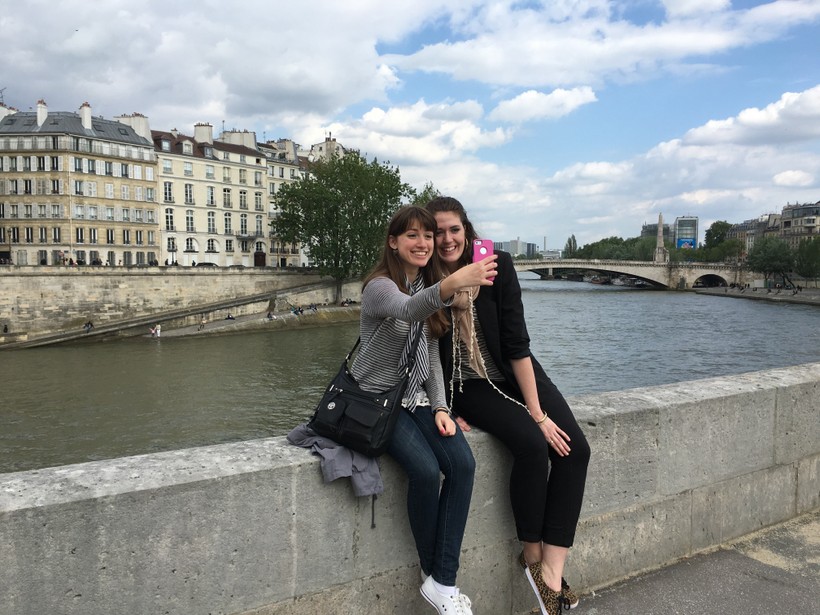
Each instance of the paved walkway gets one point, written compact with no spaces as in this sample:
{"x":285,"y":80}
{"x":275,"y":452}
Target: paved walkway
{"x":808,"y":296}
{"x":774,"y":571}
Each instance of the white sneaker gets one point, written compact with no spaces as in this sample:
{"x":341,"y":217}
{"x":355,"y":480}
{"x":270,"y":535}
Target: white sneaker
{"x":459,"y":604}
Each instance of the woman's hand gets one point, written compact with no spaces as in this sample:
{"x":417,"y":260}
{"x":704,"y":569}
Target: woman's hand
{"x":464,"y":425}
{"x":557,"y":437}
{"x":474,"y":274}
{"x":446,"y":425}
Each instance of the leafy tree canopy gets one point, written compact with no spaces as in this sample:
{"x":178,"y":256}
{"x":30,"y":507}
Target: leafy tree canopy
{"x":339,"y":213}
{"x":807,"y":259}
{"x":716,"y":234}
{"x":427,"y":194}
{"x":570,"y":248}
{"x":771,"y":256}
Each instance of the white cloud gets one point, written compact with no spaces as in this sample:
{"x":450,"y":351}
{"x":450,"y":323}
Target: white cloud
{"x":532,"y":105}
{"x":687,"y":8}
{"x":792,"y":178}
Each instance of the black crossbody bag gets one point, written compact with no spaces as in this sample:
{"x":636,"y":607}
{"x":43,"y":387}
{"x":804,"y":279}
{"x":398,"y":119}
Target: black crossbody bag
{"x":357,"y":419}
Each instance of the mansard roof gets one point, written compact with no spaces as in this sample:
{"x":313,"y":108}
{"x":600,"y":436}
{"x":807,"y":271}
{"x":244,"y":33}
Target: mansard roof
{"x":176,"y":139}
{"x":70,"y":123}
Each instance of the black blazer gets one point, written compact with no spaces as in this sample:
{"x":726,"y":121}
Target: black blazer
{"x":501,"y":314}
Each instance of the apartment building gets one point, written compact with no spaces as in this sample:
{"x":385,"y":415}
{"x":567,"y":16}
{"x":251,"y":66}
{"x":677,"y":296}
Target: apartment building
{"x":212,"y":197}
{"x":75,"y":188}
{"x":799,"y":222}
{"x":285,"y":165}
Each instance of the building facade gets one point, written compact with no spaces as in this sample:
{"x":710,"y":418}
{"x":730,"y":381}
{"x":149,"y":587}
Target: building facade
{"x":284,"y":166}
{"x":76,"y":189}
{"x":685,"y":231}
{"x":799,"y":222}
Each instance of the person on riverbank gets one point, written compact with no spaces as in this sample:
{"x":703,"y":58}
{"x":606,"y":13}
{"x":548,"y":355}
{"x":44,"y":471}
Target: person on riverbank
{"x":403,"y":292}
{"x":497,"y":385}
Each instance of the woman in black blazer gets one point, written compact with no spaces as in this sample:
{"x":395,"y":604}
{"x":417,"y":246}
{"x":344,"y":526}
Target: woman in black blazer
{"x":498,"y":386}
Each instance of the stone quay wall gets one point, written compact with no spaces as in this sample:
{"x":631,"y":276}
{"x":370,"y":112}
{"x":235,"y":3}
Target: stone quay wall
{"x":44,"y":300}
{"x":249,"y":528}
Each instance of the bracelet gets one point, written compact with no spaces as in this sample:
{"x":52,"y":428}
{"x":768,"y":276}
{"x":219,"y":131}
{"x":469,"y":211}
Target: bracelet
{"x":542,"y":419}
{"x":447,"y":410}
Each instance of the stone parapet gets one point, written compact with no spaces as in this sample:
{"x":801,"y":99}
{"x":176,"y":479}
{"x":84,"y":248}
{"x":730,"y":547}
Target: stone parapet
{"x":249,"y":528}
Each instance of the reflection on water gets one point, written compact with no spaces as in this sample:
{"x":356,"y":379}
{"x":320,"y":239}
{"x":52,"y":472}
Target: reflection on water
{"x":68,"y":404}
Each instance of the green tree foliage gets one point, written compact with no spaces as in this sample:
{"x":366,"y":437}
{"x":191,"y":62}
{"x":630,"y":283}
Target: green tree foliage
{"x":716,"y":234}
{"x":615,"y":248}
{"x":771,"y":257}
{"x":339,"y":213}
{"x":807,"y":259}
{"x":427,"y":194}
{"x":570,"y":248}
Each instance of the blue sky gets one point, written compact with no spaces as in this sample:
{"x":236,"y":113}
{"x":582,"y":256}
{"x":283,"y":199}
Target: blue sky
{"x":546,"y":119}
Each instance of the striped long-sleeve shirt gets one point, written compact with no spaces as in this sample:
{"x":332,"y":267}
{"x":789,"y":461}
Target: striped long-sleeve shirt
{"x":385,"y":324}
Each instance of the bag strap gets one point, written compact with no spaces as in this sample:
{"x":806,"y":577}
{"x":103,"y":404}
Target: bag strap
{"x":413,"y":348}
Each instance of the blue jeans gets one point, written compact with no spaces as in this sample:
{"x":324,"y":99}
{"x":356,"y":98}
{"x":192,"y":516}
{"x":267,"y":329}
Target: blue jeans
{"x":437,"y":515}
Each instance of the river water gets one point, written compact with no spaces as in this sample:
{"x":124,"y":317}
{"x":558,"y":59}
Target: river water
{"x":74,"y":403}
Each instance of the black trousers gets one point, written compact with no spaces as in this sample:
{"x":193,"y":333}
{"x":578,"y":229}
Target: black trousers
{"x":546,"y":502}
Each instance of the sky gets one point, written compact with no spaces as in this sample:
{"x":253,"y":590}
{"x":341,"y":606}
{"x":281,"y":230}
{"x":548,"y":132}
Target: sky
{"x":545,"y":119}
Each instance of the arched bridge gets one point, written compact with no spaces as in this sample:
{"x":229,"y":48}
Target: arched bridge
{"x":666,"y":275}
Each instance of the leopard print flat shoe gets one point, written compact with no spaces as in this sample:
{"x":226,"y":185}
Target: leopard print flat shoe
{"x":570,"y":598}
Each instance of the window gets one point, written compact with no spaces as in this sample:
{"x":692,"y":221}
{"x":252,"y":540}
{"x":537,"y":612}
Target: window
{"x":243,"y":176}
{"x":149,"y":214}
{"x":126,"y":193}
{"x":229,"y":245}
{"x":80,"y":236}
{"x":271,"y":188}
{"x":189,"y":245}
{"x":260,"y":247}
{"x":149,"y":174}
{"x":226,"y":175}
{"x":29,"y":234}
{"x":56,"y":211}
{"x":209,"y":171}
{"x":126,"y":236}
{"x":210,"y":198}
{"x":41,"y":163}
{"x":228,"y":224}
{"x":55,"y":234}
{"x":109,"y":168}
{"x":257,"y":201}
{"x":259,"y":225}
{"x":281,"y":171}
{"x":211,"y":222}
{"x":78,"y":165}
{"x":226,"y":197}
{"x":126,"y":214}
{"x":149,"y":194}
{"x":166,"y":145}
{"x":172,"y":244}
{"x":138,"y":193}
{"x":109,"y":237}
{"x":79,"y":211}
{"x":243,"y":224}
{"x":152,"y":239}
{"x":211,"y":245}
{"x":91,"y":188}
{"x":109,"y":213}
{"x":243,"y":199}
{"x":167,"y":166}
{"x":109,"y":191}
{"x":123,"y":170}
{"x":187,"y":148}
{"x":92,"y":212}
{"x":43,"y":234}
{"x":189,"y":221}
{"x":226,"y":156}
{"x":27,"y":210}
{"x":92,"y":235}
{"x":137,"y":171}
{"x":169,"y":219}
{"x":168,"y":192}
{"x":189,"y":194}
{"x":188,"y":169}
{"x":257,"y":178}
{"x":55,"y":186}
{"x":243,"y":245}
{"x":92,"y":165}
{"x":138,"y":215}
{"x":41,"y":210}
{"x":78,"y":187}
{"x":138,"y":235}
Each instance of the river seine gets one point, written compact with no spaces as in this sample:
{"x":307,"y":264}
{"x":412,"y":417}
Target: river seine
{"x":74,"y":403}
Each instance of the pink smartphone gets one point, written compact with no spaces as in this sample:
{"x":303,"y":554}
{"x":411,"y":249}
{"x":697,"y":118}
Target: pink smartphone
{"x":482,"y":248}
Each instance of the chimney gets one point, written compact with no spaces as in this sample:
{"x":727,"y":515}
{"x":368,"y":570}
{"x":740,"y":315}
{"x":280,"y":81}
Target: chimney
{"x":85,"y":115}
{"x":42,"y":112}
{"x":204,"y":133}
{"x":139,"y":123}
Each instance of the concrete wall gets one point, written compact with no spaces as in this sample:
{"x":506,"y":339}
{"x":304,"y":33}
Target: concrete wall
{"x":248,"y":528}
{"x":41,"y":300}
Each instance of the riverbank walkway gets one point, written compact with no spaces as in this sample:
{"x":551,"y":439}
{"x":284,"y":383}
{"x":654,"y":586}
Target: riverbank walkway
{"x":775,"y":570}
{"x":807,"y":296}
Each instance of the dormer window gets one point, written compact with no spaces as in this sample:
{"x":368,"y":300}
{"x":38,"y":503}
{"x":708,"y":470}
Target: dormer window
{"x":166,"y":145}
{"x":187,"y":149}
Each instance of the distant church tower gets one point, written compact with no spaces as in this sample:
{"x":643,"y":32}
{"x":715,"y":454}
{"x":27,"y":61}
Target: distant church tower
{"x":661,"y":253}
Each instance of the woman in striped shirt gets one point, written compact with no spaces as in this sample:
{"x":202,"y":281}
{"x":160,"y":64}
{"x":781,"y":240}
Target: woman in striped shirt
{"x":405,"y":291}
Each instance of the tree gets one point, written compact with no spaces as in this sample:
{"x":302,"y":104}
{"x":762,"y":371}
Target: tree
{"x":771,"y":257}
{"x":716,"y":234}
{"x":427,"y":194}
{"x":570,"y":248}
{"x":339,"y":213}
{"x":807,"y":259}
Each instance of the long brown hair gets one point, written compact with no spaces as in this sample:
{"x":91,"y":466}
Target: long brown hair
{"x":390,"y":265}
{"x":449,"y":204}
